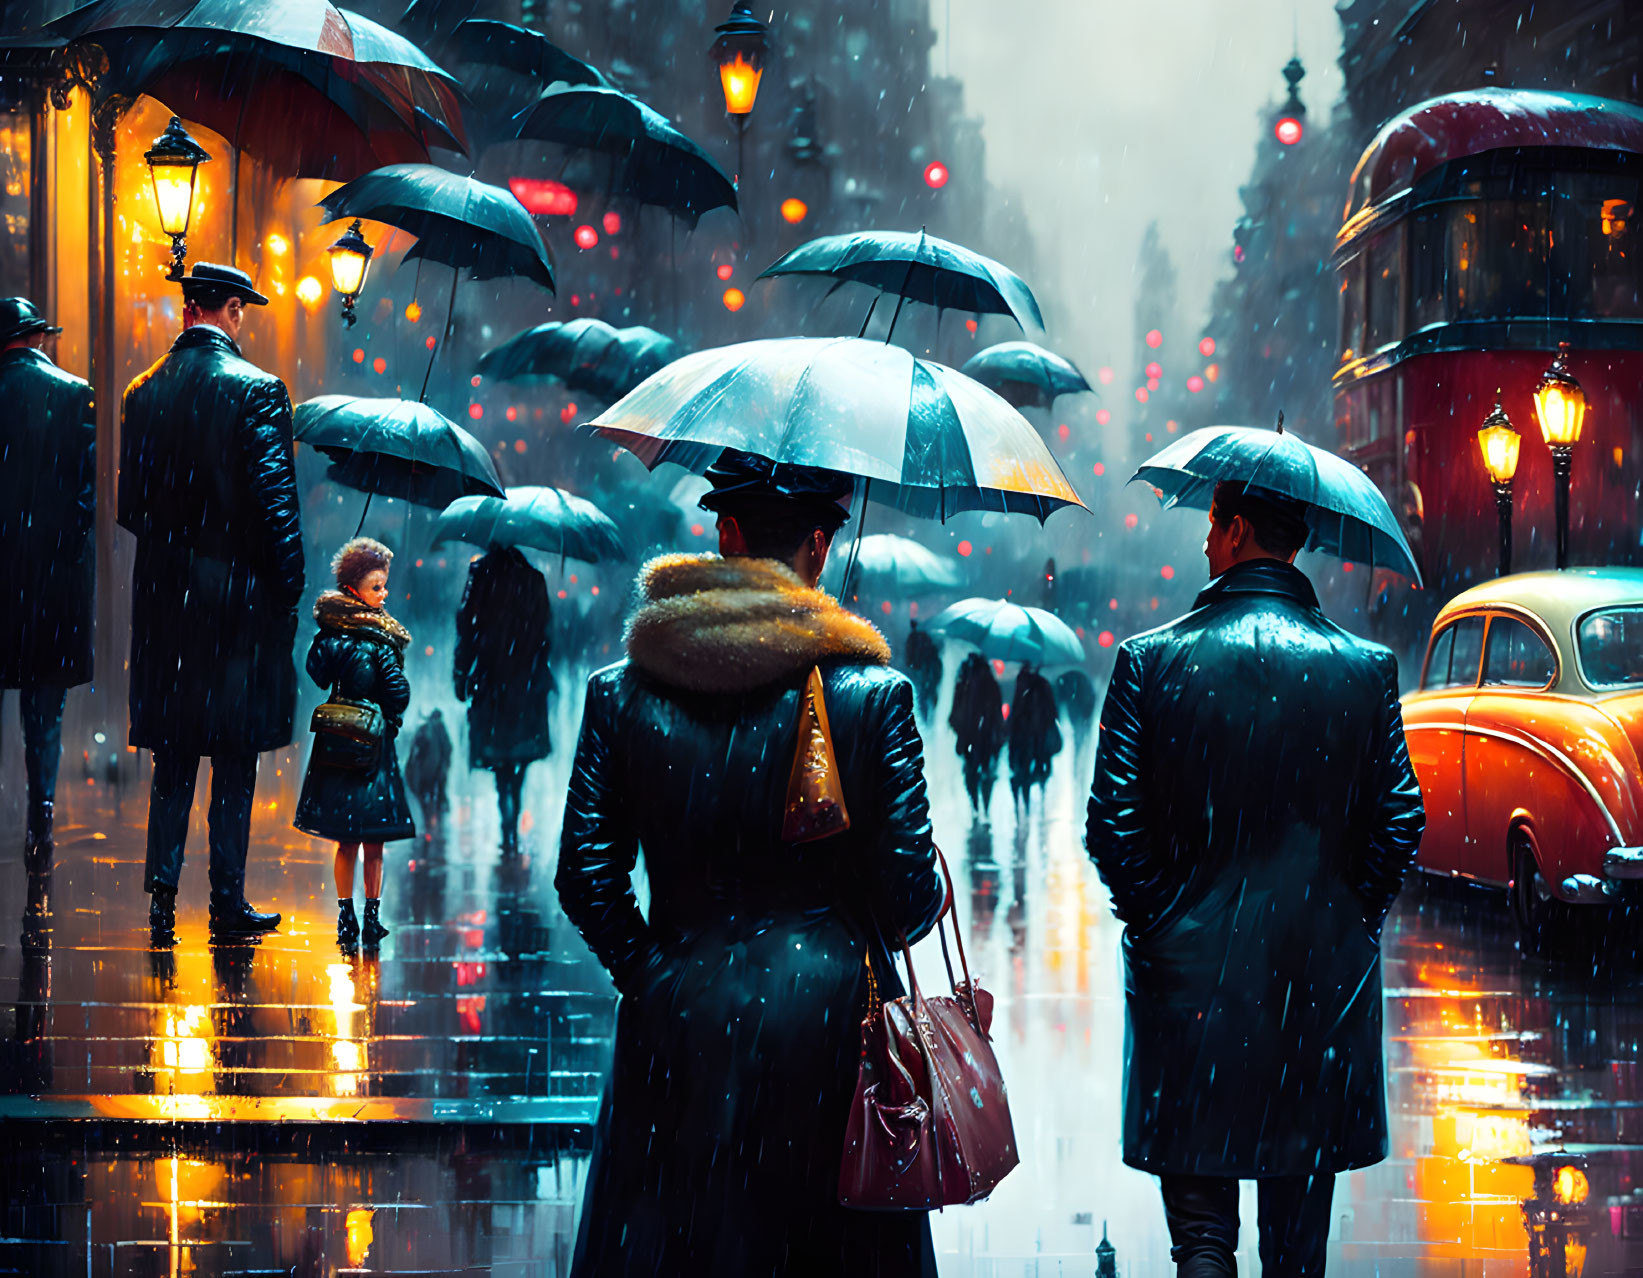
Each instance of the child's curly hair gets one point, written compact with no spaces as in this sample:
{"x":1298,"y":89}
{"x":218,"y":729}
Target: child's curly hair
{"x":358,"y":557}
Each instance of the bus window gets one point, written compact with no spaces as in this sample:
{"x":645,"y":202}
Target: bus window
{"x":1499,"y":258}
{"x":1600,"y":238}
{"x":1385,"y":268}
{"x":1427,"y":274}
{"x":1351,"y":311}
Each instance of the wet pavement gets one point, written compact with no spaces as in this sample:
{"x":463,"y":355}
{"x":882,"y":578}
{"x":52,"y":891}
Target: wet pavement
{"x":286,"y":1108}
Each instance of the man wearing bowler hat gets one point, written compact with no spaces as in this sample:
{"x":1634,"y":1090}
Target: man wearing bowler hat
{"x":48,"y":494}
{"x":208,"y":486}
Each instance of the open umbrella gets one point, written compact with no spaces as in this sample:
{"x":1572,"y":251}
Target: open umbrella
{"x":396,"y":447}
{"x":652,"y":161}
{"x":459,"y":221}
{"x":904,"y":564}
{"x":547,"y":519}
{"x":1347,"y":514}
{"x":1008,"y":632}
{"x":918,"y":267}
{"x":522,"y":51}
{"x":585,"y":354}
{"x":311,"y":89}
{"x":929,"y":440}
{"x":1025,"y":373}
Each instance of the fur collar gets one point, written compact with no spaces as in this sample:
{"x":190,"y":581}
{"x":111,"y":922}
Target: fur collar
{"x":730,"y":625}
{"x":335,"y":610}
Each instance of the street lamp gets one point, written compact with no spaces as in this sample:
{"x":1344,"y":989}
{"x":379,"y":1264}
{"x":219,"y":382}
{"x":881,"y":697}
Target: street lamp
{"x":740,"y":44}
{"x":350,"y":258}
{"x":1561,"y":406}
{"x":1500,"y":443}
{"x":172,"y":163}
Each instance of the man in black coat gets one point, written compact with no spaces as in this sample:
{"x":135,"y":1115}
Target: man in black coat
{"x":208,"y":485}
{"x":48,"y":494}
{"x":1253,"y":815}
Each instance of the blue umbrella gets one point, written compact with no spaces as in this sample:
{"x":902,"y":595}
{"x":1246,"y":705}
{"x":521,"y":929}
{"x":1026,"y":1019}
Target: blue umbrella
{"x":903,"y":564}
{"x":585,"y":354}
{"x":1008,"y":632}
{"x":917,"y":267}
{"x":1346,"y":512}
{"x":1025,"y":373}
{"x":547,"y":519}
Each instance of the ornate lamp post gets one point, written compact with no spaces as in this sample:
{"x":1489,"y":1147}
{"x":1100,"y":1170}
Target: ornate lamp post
{"x":350,"y":259}
{"x":1560,"y":405}
{"x":1500,"y":443}
{"x":173,"y":162}
{"x":739,"y":48}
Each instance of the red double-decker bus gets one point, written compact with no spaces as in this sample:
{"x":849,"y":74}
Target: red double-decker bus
{"x":1482,"y":229}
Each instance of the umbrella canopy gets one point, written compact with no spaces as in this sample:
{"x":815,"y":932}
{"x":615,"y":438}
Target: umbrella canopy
{"x":931,"y":441}
{"x":904,"y":564}
{"x":1025,"y":373}
{"x":654,"y":163}
{"x":523,"y":52}
{"x":311,"y":89}
{"x":540,"y":518}
{"x":585,"y":354}
{"x":1008,"y":632}
{"x":459,"y":221}
{"x":1347,"y":514}
{"x":397,"y":448}
{"x":916,"y":267}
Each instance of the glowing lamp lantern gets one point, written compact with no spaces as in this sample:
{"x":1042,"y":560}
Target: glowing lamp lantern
{"x":350,"y":259}
{"x":1560,"y":404}
{"x":173,"y":163}
{"x":740,"y":46}
{"x":1499,"y":442}
{"x":794,"y":210}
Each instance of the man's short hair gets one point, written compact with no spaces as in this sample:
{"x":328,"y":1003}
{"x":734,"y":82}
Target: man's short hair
{"x":1278,"y":522}
{"x":208,"y":298}
{"x":775,"y":528}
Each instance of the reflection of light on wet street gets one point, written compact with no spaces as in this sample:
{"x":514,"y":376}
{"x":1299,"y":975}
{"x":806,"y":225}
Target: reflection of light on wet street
{"x":347,"y":1051}
{"x":359,"y":1236}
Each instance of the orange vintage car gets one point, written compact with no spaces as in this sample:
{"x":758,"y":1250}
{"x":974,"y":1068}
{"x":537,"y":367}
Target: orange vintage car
{"x":1527,"y":735}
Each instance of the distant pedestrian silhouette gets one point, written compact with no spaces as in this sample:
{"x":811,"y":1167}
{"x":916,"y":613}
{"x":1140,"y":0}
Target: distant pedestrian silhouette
{"x":977,"y":721}
{"x":428,"y":768}
{"x":922,"y":660}
{"x":1035,"y":734}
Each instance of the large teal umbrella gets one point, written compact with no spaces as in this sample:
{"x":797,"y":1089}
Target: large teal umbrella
{"x":1009,"y":632}
{"x":1346,"y":513}
{"x":547,"y":519}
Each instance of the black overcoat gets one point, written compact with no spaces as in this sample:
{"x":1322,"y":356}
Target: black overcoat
{"x":208,"y":485}
{"x":503,"y":633}
{"x":977,"y":714}
{"x":358,"y":806}
{"x":738,"y":1034}
{"x":1253,"y":815}
{"x":48,"y":500}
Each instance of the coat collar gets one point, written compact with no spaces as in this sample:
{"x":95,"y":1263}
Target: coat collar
{"x":1260,"y":577}
{"x":27,"y":355}
{"x":198,"y":335}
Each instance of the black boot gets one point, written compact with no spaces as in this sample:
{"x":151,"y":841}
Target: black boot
{"x":37,"y":842}
{"x":239,"y":919}
{"x":162,"y":916}
{"x":347,"y":924}
{"x":372,"y":931}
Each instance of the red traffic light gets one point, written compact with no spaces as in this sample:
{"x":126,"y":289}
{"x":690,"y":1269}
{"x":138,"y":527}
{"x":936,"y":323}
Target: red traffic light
{"x":935,"y":175}
{"x":1288,"y":130}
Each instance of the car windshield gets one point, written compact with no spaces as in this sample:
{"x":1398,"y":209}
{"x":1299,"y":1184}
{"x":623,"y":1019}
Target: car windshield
{"x":1611,"y":647}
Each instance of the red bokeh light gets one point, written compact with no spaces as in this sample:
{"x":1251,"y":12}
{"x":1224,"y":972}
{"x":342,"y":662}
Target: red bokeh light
{"x":1100,"y":468}
{"x":1064,"y":431}
{"x":1130,"y":521}
{"x":1102,"y":416}
{"x":1346,"y":567}
{"x":1140,"y":394}
{"x":430,"y":343}
{"x":1206,"y":347}
{"x":1152,"y":383}
{"x":971,"y":325}
{"x":1155,"y":369}
{"x":359,"y":355}
{"x":724,"y":270}
{"x":475,"y":380}
{"x":1195,"y":383}
{"x":1155,"y":339}
{"x":476,"y":411}
{"x":696,"y":530}
{"x":935,"y":175}
{"x":612,"y":222}
{"x":379,"y":364}
{"x":1167,"y":573}
{"x":965,"y":549}
{"x":1104,"y":376}
{"x":1105,"y":638}
{"x":734,"y":299}
{"x":568,"y":412}
{"x":540,"y":195}
{"x":512,"y":414}
{"x":1288,"y":130}
{"x":586,"y":237}
{"x":887,"y":607}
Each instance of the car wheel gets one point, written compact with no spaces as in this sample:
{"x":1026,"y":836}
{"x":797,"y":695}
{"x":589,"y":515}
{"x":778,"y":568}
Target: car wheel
{"x":1540,"y":916}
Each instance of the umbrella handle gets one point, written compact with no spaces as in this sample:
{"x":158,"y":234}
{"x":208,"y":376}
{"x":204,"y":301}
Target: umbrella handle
{"x":450,"y":310}
{"x":855,"y":547}
{"x":363,"y":513}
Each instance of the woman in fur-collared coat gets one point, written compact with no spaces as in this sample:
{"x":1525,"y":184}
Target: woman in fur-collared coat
{"x":359,"y":655}
{"x":738,"y":1034}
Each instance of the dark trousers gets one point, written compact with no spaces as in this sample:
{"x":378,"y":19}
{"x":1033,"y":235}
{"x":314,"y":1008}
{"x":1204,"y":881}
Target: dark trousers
{"x":40,"y":707}
{"x":1202,"y":1212}
{"x":171,"y":797}
{"x":510,"y":788}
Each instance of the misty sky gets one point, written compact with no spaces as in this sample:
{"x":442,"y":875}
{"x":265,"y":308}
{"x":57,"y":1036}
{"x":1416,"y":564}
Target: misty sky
{"x":1101,"y":115}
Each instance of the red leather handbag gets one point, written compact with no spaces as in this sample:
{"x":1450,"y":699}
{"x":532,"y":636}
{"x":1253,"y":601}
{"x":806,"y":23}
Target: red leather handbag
{"x":930,"y":1124}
